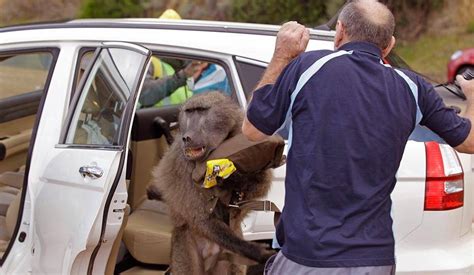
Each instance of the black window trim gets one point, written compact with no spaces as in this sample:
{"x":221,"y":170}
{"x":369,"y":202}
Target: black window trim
{"x":55,"y":54}
{"x":248,"y":61}
{"x":80,"y":55}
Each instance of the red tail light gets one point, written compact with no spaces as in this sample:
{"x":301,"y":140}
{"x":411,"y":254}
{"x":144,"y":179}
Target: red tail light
{"x":444,"y":178}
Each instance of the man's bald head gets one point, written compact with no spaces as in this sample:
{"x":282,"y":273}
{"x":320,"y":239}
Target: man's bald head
{"x":369,"y":21}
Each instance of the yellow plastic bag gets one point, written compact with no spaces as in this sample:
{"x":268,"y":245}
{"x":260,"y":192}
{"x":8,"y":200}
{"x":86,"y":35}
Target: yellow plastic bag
{"x":221,"y":168}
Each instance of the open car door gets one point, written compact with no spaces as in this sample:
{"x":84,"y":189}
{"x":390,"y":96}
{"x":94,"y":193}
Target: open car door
{"x":78,"y":195}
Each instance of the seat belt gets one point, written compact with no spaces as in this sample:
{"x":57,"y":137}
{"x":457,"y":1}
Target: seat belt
{"x":259,"y":205}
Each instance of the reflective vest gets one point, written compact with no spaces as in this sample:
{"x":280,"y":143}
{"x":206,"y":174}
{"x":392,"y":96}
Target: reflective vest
{"x":161,"y":69}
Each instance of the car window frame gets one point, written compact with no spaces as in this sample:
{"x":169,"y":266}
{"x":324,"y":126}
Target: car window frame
{"x":75,"y":85}
{"x":55,"y":51}
{"x":250,"y":62}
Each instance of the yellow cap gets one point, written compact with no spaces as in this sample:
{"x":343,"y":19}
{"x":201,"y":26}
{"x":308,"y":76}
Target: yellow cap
{"x":170,"y":14}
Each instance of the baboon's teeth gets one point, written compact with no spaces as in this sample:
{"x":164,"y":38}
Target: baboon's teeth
{"x":194,"y":152}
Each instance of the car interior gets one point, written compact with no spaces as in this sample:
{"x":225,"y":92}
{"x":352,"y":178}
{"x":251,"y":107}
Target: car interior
{"x":147,"y":232}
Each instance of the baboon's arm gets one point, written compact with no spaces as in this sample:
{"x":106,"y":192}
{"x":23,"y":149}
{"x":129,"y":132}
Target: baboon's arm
{"x":185,"y":258}
{"x":220,"y":233}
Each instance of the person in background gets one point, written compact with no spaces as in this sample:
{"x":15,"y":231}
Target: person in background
{"x":161,"y":81}
{"x":213,"y":78}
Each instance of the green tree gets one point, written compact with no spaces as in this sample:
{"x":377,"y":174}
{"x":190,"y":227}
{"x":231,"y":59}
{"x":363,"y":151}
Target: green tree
{"x":306,"y":12}
{"x":111,"y":8}
{"x":412,"y":16}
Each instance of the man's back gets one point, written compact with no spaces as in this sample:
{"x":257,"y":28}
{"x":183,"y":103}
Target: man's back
{"x":349,"y":118}
{"x":342,"y":195}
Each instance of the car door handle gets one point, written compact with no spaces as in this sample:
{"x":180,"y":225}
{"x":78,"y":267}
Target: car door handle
{"x":93,"y":172}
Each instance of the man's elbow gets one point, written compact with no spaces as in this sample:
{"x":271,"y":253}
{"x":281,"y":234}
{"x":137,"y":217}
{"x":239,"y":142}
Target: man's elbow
{"x":467,"y":146}
{"x":252,"y":133}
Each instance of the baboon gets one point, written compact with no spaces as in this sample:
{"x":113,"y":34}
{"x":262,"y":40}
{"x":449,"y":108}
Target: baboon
{"x":205,"y":232}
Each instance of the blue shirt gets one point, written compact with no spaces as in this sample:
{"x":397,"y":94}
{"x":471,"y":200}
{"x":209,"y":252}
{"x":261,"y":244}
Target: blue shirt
{"x":349,"y":119}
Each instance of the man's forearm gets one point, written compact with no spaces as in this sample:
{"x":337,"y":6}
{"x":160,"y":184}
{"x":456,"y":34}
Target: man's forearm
{"x":468,"y":145}
{"x":468,"y":88}
{"x":272,"y":72}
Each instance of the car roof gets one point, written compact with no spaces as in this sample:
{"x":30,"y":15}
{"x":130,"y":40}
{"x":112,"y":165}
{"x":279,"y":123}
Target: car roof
{"x":255,"y":41}
{"x":153,"y":23}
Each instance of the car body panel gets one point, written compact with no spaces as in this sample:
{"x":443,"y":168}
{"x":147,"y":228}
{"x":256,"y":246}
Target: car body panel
{"x":61,"y":239}
{"x":430,"y":251}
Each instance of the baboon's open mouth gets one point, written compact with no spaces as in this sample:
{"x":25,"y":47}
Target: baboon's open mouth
{"x":195,"y":153}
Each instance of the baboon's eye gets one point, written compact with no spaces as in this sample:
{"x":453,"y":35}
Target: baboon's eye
{"x":196,"y":109}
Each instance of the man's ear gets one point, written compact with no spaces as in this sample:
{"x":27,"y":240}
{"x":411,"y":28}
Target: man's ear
{"x":389,"y":48}
{"x":340,"y":33}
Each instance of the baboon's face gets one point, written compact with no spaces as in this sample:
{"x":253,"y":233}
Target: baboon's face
{"x":205,"y":122}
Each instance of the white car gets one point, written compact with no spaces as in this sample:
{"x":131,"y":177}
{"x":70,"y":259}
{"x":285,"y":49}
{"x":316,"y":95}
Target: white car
{"x":76,"y":151}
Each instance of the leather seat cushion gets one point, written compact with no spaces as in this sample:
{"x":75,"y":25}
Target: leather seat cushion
{"x":12,"y":214}
{"x":6,"y":199}
{"x":147,"y":235}
{"x":12,"y":179}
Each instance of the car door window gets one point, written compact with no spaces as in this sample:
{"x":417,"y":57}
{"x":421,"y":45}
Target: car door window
{"x":105,"y":92}
{"x":22,"y":79}
{"x":23,"y":76}
{"x":23,"y":73}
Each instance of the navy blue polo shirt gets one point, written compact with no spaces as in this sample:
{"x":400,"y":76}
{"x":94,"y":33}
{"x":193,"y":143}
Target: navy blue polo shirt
{"x":349,"y":118}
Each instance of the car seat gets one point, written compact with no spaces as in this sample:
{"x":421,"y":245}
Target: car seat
{"x":147,"y":234}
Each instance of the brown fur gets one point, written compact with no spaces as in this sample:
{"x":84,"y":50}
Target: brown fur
{"x":199,"y":236}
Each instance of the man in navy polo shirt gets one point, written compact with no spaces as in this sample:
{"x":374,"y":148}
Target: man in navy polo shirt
{"x":349,"y":117}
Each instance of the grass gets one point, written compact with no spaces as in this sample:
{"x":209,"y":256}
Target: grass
{"x":470,"y":27}
{"x":430,"y":54}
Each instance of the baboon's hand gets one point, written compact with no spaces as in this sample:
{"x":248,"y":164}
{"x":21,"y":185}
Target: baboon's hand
{"x":266,"y":252}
